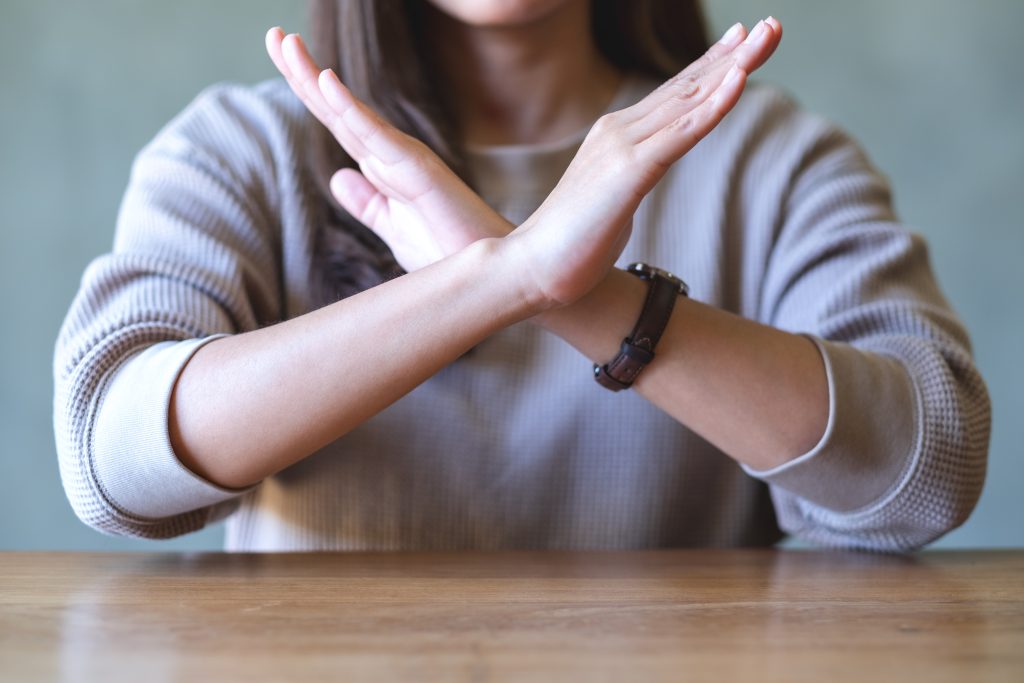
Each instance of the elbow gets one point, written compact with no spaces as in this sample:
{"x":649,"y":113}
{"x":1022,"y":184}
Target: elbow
{"x":91,"y":507}
{"x":72,"y":418}
{"x":954,"y":432}
{"x":84,"y":494}
{"x":93,"y":514}
{"x":946,"y":510}
{"x":941,"y":479}
{"x":957,"y":508}
{"x":122,"y":491}
{"x":74,"y":421}
{"x":948,"y":491}
{"x":962,"y":447}
{"x":905,"y":526}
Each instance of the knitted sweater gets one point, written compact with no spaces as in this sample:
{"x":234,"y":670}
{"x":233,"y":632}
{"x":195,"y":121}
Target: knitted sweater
{"x":776,"y":216}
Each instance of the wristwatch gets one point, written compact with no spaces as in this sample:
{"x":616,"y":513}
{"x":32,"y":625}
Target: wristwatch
{"x":638,"y":348}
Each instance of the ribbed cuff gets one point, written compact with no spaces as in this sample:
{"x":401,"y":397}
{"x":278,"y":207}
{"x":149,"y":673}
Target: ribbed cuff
{"x":132,"y":458}
{"x":870,"y":438}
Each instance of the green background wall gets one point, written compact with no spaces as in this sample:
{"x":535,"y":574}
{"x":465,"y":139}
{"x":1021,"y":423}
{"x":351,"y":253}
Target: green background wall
{"x":930,"y":87}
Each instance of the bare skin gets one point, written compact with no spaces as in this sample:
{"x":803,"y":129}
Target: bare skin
{"x":757,"y":393}
{"x":491,"y":67}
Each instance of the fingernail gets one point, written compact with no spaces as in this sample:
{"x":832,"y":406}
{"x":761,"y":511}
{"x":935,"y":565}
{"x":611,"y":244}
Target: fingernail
{"x":756,"y":34}
{"x":730,"y":36}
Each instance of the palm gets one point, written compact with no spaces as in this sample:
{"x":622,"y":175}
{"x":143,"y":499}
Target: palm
{"x":402,"y":190}
{"x":386,"y":215}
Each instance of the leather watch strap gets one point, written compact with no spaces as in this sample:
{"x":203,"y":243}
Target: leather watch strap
{"x":637,"y":349}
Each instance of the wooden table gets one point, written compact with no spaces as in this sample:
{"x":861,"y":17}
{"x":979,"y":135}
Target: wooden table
{"x":580,"y":616}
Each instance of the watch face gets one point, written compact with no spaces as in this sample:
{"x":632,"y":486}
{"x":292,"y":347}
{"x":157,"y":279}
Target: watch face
{"x":647,"y":272}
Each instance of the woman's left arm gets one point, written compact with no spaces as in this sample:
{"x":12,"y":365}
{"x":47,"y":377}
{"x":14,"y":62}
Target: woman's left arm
{"x":856,"y":397}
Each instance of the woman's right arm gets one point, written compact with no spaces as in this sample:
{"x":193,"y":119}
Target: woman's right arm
{"x":246,"y":406}
{"x":174,"y":390}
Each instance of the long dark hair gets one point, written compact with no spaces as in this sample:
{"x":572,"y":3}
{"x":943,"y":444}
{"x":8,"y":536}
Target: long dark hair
{"x":378,"y":49}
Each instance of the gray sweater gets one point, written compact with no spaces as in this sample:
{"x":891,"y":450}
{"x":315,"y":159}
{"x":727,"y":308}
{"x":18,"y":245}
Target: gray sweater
{"x":776,"y":216}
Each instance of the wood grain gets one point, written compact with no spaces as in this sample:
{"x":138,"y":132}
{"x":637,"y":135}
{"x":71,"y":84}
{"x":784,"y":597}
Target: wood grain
{"x":761,"y":615}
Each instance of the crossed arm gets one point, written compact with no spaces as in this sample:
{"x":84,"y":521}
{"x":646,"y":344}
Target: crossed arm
{"x":757,"y":393}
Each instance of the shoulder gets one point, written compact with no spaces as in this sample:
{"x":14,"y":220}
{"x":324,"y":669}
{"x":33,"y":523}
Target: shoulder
{"x":768,"y":153}
{"x":766,"y":108}
{"x":769,"y":132}
{"x":266,"y":107}
{"x":231,"y":126}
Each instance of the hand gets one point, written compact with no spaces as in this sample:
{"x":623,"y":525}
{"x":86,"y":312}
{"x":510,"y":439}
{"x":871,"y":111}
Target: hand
{"x":402,"y":191}
{"x":576,"y":235}
{"x":424,"y":212}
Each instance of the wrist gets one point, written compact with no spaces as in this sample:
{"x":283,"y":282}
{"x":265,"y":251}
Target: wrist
{"x":597,"y":322}
{"x":638,"y":349}
{"x":522,"y":273}
{"x":500,"y":263}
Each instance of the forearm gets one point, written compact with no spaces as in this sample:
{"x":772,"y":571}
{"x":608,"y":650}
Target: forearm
{"x":249,"y":405}
{"x":757,"y":393}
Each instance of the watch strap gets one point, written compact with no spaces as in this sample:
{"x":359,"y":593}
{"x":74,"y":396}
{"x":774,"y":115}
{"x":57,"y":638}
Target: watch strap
{"x":637,"y":349}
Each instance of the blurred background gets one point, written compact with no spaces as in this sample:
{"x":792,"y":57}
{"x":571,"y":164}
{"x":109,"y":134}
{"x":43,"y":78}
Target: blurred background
{"x":931,"y":88}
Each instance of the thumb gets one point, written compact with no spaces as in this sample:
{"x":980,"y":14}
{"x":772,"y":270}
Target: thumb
{"x":361,"y":199}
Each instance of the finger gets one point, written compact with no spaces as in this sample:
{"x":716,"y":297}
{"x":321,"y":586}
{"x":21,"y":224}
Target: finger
{"x":693,"y":85}
{"x":363,"y":129}
{"x":776,"y":27}
{"x":385,"y":154}
{"x":361,"y":199}
{"x":297,"y":59}
{"x":729,"y":41}
{"x":670,"y":143}
{"x":756,"y":50}
{"x":694,"y":90}
{"x":748,"y":56}
{"x":274,"y":40}
{"x":316,"y":105}
{"x":304,"y":72}
{"x":413,"y":249}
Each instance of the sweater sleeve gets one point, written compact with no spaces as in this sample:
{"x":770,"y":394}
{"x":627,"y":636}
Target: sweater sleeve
{"x":903,"y":457}
{"x":194,"y":259}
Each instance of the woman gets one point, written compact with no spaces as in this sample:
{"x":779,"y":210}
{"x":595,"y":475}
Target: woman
{"x":815,"y":379}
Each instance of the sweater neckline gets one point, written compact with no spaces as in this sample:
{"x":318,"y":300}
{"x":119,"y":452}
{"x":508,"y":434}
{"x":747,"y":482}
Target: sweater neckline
{"x":626,"y":95}
{"x":515,"y":179}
